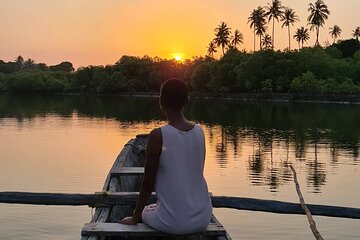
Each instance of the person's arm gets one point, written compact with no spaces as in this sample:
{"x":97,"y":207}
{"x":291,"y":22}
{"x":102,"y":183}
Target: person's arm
{"x":153,"y":151}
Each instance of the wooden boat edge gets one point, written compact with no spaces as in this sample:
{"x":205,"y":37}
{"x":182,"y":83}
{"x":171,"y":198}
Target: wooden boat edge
{"x":112,"y":184}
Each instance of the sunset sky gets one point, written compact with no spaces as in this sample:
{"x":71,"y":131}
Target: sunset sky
{"x":97,"y":32}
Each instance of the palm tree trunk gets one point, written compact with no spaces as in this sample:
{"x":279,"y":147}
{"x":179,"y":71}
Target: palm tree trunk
{"x":289,"y":38}
{"x":254,"y":39}
{"x":222,"y":48}
{"x":273,"y":34}
{"x":317,"y":36}
{"x":260,"y":42}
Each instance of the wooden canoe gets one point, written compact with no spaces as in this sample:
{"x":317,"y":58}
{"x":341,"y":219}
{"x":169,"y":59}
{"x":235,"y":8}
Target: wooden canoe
{"x":126,"y":176}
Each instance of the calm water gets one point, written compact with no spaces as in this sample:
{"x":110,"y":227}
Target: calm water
{"x":68,"y":144}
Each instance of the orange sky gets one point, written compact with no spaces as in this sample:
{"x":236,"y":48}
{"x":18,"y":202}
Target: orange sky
{"x":99,"y":32}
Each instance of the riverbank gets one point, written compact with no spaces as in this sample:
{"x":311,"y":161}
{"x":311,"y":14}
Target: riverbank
{"x":263,"y":97}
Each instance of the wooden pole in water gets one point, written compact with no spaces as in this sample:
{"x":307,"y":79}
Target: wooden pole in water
{"x":306,"y":210}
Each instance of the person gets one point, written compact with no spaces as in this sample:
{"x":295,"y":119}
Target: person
{"x":174,"y":167}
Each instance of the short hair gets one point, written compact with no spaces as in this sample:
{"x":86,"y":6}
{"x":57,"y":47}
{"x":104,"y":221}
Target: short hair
{"x":174,"y":93}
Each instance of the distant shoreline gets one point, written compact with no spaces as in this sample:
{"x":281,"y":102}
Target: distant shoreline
{"x":266,"y":97}
{"x":260,"y":97}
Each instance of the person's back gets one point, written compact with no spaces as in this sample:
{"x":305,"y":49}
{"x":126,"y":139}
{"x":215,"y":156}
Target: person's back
{"x":174,"y":167}
{"x":184,"y":204}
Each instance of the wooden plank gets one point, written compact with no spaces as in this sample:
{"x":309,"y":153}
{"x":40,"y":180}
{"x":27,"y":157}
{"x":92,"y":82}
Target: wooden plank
{"x":127,"y":171}
{"x":138,"y":230}
{"x":130,"y":198}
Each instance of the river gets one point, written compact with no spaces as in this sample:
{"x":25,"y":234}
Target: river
{"x":68,"y":144}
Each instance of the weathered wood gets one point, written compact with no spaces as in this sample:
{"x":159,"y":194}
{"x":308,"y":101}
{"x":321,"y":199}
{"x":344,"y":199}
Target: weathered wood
{"x":102,"y":214}
{"x":127,"y":183}
{"x":272,"y":206}
{"x":138,"y":230}
{"x":312,"y":223}
{"x":125,"y":198}
{"x":127,"y":171}
{"x":226,"y":236}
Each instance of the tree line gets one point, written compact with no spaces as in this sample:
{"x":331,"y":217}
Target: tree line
{"x":260,"y":19}
{"x":331,"y":69}
{"x":334,"y":69}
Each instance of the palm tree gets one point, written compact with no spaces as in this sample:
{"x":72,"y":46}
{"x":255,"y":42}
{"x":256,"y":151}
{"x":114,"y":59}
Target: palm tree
{"x":211,"y":49}
{"x":297,"y":36}
{"x":261,"y":30}
{"x":267,"y":42}
{"x":319,"y":12}
{"x":238,"y":38}
{"x":289,"y":18}
{"x":335,"y":32}
{"x":274,"y":11}
{"x":222,"y":36}
{"x":252,"y":20}
{"x":356,"y":33}
{"x":258,"y":22}
{"x":302,"y":35}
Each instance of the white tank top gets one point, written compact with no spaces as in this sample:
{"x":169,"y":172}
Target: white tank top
{"x":181,"y":189}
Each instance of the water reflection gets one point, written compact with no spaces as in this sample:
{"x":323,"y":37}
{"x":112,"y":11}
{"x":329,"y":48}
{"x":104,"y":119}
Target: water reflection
{"x":269,"y":136}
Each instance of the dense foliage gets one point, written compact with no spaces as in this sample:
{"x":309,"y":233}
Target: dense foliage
{"x":335,"y":69}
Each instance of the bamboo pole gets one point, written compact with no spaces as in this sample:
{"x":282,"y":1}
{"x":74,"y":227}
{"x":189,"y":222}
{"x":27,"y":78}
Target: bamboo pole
{"x":312,"y":223}
{"x":107,"y":199}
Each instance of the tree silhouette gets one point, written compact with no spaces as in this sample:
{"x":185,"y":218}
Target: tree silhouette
{"x":252,"y":21}
{"x":274,"y":11}
{"x":356,"y":33}
{"x":335,"y":32}
{"x":222,"y":36}
{"x":237,"y":38}
{"x":258,"y":22}
{"x":211,"y":49}
{"x":302,"y":35}
{"x":19,"y":61}
{"x":319,"y":12}
{"x":261,"y":23}
{"x":267,"y":42}
{"x":289,"y":18}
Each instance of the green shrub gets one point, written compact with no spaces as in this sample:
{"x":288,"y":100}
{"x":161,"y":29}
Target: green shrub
{"x":306,"y":83}
{"x":200,"y":77}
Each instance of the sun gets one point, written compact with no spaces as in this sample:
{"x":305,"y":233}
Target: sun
{"x":178,"y":56}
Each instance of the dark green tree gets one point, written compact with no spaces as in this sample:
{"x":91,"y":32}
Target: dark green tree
{"x":200,"y":77}
{"x":267,"y":42}
{"x":63,"y":67}
{"x":274,"y":11}
{"x":237,"y":39}
{"x":335,"y":32}
{"x":356,"y":33}
{"x":289,"y":18}
{"x":319,"y":13}
{"x":302,"y":35}
{"x":252,"y":19}
{"x":211,"y":49}
{"x":222,"y":36}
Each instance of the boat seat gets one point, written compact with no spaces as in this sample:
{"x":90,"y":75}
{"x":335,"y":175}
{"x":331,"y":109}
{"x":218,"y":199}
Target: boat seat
{"x":139,"y":230}
{"x":127,"y":171}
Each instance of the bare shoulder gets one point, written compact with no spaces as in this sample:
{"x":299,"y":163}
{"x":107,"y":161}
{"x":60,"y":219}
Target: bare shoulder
{"x":155,"y":139}
{"x":155,"y":134}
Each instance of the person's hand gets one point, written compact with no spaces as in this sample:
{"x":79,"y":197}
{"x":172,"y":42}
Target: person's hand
{"x":129,"y":221}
